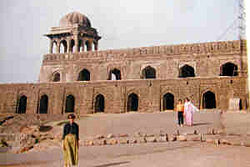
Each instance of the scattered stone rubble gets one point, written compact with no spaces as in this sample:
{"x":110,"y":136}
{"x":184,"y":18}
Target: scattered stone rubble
{"x":21,"y":134}
{"x":34,"y":136}
{"x":213,"y":136}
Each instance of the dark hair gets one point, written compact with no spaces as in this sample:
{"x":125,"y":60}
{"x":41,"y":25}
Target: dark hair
{"x":180,"y":100}
{"x":187,"y":99}
{"x":71,"y":116}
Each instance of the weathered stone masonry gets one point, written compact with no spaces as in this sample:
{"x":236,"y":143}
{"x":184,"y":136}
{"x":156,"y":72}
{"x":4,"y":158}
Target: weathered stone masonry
{"x":75,"y":77}
{"x":150,"y":94}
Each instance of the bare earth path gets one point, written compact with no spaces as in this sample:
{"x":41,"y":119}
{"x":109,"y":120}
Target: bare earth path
{"x":189,"y":153}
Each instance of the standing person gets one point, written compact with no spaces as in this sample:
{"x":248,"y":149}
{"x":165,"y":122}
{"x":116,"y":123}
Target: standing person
{"x":70,"y":142}
{"x":180,"y":110}
{"x":189,"y":110}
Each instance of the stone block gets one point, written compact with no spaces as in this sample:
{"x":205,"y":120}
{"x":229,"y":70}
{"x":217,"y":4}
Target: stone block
{"x":151,"y":139}
{"x":172,"y":138}
{"x":123,"y":141}
{"x":181,"y":138}
{"x":109,"y":136}
{"x":112,"y":141}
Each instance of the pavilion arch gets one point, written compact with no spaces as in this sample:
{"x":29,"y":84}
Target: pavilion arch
{"x":56,"y":77}
{"x":148,"y":73}
{"x":88,"y":45}
{"x":95,"y":43}
{"x":132,"y":102}
{"x":81,"y":46}
{"x":43,"y":104}
{"x":54,"y":47}
{"x":186,"y":71}
{"x":63,"y":46}
{"x":168,"y":101}
{"x":84,"y":75}
{"x":208,"y":100}
{"x":229,"y":69}
{"x":72,"y":47}
{"x":99,"y":103}
{"x":114,"y":74}
{"x":70,"y":104}
{"x":22,"y":104}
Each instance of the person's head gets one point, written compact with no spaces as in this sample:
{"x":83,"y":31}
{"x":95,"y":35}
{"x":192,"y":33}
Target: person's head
{"x":187,"y":99}
{"x":71,"y":118}
{"x":179,"y":101}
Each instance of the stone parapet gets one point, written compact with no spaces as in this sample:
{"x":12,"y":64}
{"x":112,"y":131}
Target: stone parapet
{"x":225,"y":47}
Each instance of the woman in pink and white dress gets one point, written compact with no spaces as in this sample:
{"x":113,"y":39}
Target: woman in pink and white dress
{"x":189,"y":110}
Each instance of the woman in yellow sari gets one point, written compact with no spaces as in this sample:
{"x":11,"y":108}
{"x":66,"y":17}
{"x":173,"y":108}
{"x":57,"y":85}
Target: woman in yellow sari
{"x":70,"y":142}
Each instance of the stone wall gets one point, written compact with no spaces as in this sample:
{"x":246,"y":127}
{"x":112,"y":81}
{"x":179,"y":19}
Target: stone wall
{"x":205,"y":58}
{"x":150,"y":94}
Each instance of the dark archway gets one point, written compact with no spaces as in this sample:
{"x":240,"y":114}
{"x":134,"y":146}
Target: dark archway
{"x":148,"y":73}
{"x":81,"y":46}
{"x":72,"y":46}
{"x":186,"y":71}
{"x":132,"y":104}
{"x":56,"y":77}
{"x":22,"y":105}
{"x":115,"y":74}
{"x":229,"y":69}
{"x":63,"y":46}
{"x":168,"y":101}
{"x":99,"y":103}
{"x":84,"y":75}
{"x":54,"y":46}
{"x":240,"y":105}
{"x":88,"y":45}
{"x":43,"y":107}
{"x":209,"y":100}
{"x":70,"y":103}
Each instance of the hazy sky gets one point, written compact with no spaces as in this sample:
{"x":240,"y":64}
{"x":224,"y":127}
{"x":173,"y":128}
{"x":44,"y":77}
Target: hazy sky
{"x":121,"y":23}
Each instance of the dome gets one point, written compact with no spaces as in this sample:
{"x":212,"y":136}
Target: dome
{"x":74,"y":18}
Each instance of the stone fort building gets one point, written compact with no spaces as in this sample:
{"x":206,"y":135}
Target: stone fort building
{"x":76,"y":77}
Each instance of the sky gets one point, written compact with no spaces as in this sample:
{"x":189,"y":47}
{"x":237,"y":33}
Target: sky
{"x":120,"y":23}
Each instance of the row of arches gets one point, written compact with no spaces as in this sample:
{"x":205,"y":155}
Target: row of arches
{"x":208,"y":102}
{"x":42,"y":107}
{"x":227,"y":69}
{"x":65,"y":46}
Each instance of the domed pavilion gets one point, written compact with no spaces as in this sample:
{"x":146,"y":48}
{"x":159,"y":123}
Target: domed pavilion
{"x":74,"y":34}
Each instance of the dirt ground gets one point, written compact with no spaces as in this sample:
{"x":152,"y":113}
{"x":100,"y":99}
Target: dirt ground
{"x":148,"y":154}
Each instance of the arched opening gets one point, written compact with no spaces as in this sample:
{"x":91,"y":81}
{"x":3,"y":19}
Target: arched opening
{"x":95,"y":45}
{"x":168,"y":101}
{"x":148,"y":73}
{"x":84,"y":75}
{"x":209,"y":100}
{"x":186,"y":71}
{"x":72,"y":46}
{"x":54,"y":45}
{"x":240,"y":105}
{"x":99,"y":103}
{"x":43,"y":107}
{"x":56,"y":77}
{"x":70,"y":104}
{"x":115,"y":74}
{"x":132,"y":104}
{"x":229,"y":69}
{"x":88,"y":45}
{"x":63,"y":46}
{"x":81,"y":46}
{"x":22,"y":104}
